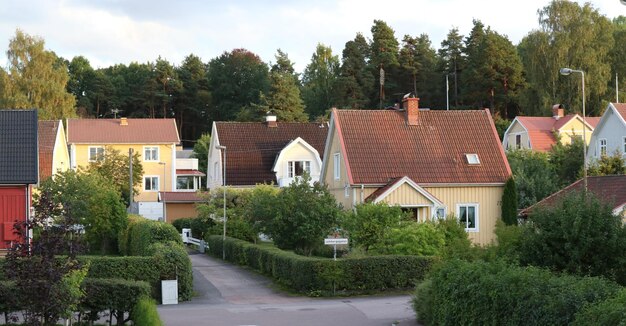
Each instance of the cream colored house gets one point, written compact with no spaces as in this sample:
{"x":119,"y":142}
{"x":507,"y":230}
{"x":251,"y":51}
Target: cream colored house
{"x":541,"y":133}
{"x":53,"y":152}
{"x":431,"y":163}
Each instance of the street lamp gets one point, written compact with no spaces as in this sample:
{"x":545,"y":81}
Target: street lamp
{"x":224,"y":189}
{"x":567,"y":72}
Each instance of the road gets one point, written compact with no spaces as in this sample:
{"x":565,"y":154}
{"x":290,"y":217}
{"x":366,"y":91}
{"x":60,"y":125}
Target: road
{"x":231,"y":296}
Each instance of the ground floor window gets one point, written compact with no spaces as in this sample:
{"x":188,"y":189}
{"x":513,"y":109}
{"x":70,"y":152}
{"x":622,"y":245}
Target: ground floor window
{"x":440,"y":213}
{"x":468,"y":216}
{"x":185,"y":183}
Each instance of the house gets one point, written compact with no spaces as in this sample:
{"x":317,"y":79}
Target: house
{"x":610,"y":134}
{"x":53,"y":152}
{"x":19,"y":169}
{"x":540,"y":133}
{"x":609,"y":189}
{"x":182,"y":202}
{"x":154,"y":139}
{"x":431,"y":163}
{"x":270,"y":152}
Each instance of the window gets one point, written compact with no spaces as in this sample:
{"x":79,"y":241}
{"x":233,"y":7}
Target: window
{"x":603,"y":147}
{"x":472,"y":159}
{"x":468,"y":216}
{"x":624,"y":146}
{"x":336,"y":166}
{"x":346,"y":190}
{"x":185,"y":183}
{"x":151,"y":153}
{"x":297,"y":168}
{"x":440,"y":213}
{"x":518,"y":141}
{"x":216,"y":171}
{"x":96,"y":153}
{"x":151,"y":183}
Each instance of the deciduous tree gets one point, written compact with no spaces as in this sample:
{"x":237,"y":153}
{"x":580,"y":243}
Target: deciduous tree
{"x":318,"y":81}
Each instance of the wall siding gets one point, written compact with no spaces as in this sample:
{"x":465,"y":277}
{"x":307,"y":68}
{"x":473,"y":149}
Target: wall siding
{"x":510,"y":137}
{"x":337,"y":187}
{"x":175,"y":211}
{"x":405,"y":195}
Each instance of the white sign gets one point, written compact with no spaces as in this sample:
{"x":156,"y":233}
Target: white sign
{"x":335,"y":241}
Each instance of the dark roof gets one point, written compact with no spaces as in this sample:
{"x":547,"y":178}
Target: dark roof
{"x":179,"y":197}
{"x":609,"y":189}
{"x":48,"y":130}
{"x":112,"y":131}
{"x":380,"y":146}
{"x":18,"y":147}
{"x":252,"y":147}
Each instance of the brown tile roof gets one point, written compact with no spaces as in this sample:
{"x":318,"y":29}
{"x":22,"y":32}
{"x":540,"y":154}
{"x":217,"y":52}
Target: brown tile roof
{"x":47,"y":136}
{"x":380,"y":146}
{"x":179,"y":197}
{"x":190,"y":172}
{"x":593,"y":121}
{"x":109,"y":131}
{"x":610,"y":189}
{"x":252,"y":147}
{"x":621,"y":109}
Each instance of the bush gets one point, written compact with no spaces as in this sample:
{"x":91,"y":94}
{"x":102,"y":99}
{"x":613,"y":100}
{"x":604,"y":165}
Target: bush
{"x":236,"y":227}
{"x":422,"y":239}
{"x":116,"y":296}
{"x":174,"y":263}
{"x":509,"y":203}
{"x":609,"y":312}
{"x":8,"y":303}
{"x":145,"y":313}
{"x":480,"y":293}
{"x":369,"y":225}
{"x":142,"y":233}
{"x":198,"y":225}
{"x":317,"y":275}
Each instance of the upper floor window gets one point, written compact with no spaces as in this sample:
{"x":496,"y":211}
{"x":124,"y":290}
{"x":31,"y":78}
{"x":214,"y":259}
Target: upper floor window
{"x":336,"y":166}
{"x":151,"y":183}
{"x":602,"y":146}
{"x":468,"y":216}
{"x":297,"y":168}
{"x":96,"y":153}
{"x":151,"y":153}
{"x":518,"y":141}
{"x":185,"y":183}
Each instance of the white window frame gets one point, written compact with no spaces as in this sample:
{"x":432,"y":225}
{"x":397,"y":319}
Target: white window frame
{"x":337,"y":166}
{"x":445,"y":211}
{"x":472,"y":159}
{"x":152,"y":177}
{"x":149,"y":159}
{"x":476,"y":215}
{"x":518,"y":141}
{"x":602,"y":147}
{"x":346,"y":190}
{"x":624,"y":145}
{"x":89,"y":158}
{"x":306,"y":167}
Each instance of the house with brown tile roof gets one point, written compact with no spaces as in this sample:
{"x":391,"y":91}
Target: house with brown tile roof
{"x":541,"y":133}
{"x":610,"y":135}
{"x":270,"y":152}
{"x":53,"y":152}
{"x":432,"y":163}
{"x":609,"y":189}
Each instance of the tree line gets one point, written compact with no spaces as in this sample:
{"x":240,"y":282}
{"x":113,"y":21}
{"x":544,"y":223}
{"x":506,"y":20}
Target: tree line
{"x":483,"y":69}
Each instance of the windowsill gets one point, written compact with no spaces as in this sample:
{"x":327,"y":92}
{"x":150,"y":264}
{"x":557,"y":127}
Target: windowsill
{"x":471,"y":230}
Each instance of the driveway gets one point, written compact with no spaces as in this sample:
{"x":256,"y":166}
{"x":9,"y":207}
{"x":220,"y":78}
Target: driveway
{"x":228,"y":295}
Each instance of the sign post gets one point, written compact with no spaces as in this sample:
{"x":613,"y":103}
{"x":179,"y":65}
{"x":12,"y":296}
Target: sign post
{"x":334,"y":242}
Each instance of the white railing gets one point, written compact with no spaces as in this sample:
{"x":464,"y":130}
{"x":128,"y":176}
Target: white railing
{"x":188,"y":239}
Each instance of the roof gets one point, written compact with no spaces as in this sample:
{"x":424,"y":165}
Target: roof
{"x":593,"y":121}
{"x":621,"y":109}
{"x":382,"y":192}
{"x":47,"y":133}
{"x":540,"y":129}
{"x":110,"y":131}
{"x":380,"y":146}
{"x":182,"y":172}
{"x":18,"y":147}
{"x":253,"y":146}
{"x":609,"y":189}
{"x":179,"y":197}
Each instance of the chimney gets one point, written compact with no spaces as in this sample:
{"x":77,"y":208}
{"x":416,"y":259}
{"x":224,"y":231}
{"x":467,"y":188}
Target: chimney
{"x":558,"y":111}
{"x":271,"y":121}
{"x":411,"y":106}
{"x":123,"y":122}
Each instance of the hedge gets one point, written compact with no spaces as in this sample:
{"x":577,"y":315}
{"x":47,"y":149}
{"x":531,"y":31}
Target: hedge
{"x":141,"y":233}
{"x":480,"y":293}
{"x":316,"y":276}
{"x":609,"y":312}
{"x":111,"y":295}
{"x":145,"y":313}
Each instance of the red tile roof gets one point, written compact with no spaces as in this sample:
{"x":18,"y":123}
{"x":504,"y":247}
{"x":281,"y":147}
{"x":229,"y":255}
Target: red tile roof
{"x":380,"y":146}
{"x":190,"y":172}
{"x":179,"y":197}
{"x":47,"y":136}
{"x":110,"y":131}
{"x":540,"y":129}
{"x":593,"y":121}
{"x":621,"y":109}
{"x":610,"y":189}
{"x":252,"y":147}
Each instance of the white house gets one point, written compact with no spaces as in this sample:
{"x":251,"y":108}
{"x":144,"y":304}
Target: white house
{"x":610,"y":134}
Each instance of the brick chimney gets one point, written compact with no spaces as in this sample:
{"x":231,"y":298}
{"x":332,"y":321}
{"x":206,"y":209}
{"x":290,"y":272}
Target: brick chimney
{"x":123,"y":122}
{"x":411,"y":106}
{"x":271,"y":121}
{"x":558,"y":111}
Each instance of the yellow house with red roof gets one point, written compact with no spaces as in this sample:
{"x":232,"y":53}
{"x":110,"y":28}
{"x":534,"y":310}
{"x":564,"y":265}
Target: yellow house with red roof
{"x":53,"y":152}
{"x":431,"y":163}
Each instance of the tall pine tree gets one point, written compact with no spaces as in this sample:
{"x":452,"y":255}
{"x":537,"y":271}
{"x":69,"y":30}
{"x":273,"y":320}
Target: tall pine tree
{"x":355,"y":80}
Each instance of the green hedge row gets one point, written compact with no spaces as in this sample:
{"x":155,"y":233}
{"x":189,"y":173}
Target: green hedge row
{"x":141,"y":233}
{"x":318,"y":275}
{"x":480,"y":293}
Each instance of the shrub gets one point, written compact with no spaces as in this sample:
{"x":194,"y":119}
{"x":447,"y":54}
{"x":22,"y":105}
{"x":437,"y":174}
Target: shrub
{"x":370,"y":224}
{"x":8,"y":302}
{"x":423,"y":239}
{"x":509,"y":203}
{"x":143,"y":232}
{"x":236,"y":227}
{"x":481,"y":293}
{"x":608,"y":312}
{"x":116,"y":296}
{"x":198,"y":225}
{"x":145,"y":313}
{"x":174,"y":263}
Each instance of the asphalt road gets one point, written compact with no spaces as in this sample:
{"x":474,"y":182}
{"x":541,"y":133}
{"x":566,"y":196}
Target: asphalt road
{"x":231,"y":296}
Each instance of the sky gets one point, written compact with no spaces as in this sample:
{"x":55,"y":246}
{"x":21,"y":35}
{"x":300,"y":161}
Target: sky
{"x":108,"y":32}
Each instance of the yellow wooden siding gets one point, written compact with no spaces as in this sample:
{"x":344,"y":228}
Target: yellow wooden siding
{"x":405,"y":195}
{"x":149,"y":168}
{"x":337,"y":187}
{"x":571,"y":128}
{"x":61,"y":156}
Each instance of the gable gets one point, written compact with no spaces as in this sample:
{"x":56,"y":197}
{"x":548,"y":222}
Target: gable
{"x":516,"y":127}
{"x":297,"y":149}
{"x":404,"y":192}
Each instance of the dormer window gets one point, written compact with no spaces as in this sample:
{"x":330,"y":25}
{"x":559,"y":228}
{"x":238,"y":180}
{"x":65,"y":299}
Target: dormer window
{"x":472,"y":159}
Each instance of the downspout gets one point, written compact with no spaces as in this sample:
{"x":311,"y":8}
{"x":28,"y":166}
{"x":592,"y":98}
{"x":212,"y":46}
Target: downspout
{"x":362,"y":194}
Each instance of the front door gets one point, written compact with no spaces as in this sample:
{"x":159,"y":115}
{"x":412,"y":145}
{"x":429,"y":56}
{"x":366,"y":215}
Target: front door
{"x":12,"y":209}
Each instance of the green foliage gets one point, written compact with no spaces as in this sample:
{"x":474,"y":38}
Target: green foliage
{"x":501,"y":125}
{"x":145,"y":313}
{"x":355,"y":81}
{"x":578,"y":235}
{"x":508,"y":238}
{"x":567,"y":161}
{"x":174,"y":263}
{"x":116,"y":296}
{"x":142,"y":233}
{"x":114,"y":166}
{"x":421,"y":239}
{"x":316,"y":276}
{"x":370,"y":224}
{"x":608,"y":165}
{"x":509,"y":203}
{"x":261,"y":207}
{"x":480,"y":293}
{"x":198,"y":225}
{"x":609,"y":312}
{"x":201,"y":152}
{"x":318,"y":81}
{"x":535,"y":177}
{"x":236,"y":227}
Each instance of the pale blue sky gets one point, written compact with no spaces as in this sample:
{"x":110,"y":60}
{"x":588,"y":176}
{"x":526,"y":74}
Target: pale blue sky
{"x":118,"y":31}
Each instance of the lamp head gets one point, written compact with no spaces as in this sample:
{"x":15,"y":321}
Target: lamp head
{"x":565,"y":71}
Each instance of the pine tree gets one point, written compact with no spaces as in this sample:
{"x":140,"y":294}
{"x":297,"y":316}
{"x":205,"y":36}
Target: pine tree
{"x":384,"y":48}
{"x":319,"y":80}
{"x":355,"y":81}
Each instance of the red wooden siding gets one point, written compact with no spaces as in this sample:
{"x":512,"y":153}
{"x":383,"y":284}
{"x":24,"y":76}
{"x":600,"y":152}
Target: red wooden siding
{"x":12,"y":208}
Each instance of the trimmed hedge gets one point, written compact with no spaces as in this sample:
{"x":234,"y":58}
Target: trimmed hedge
{"x":315,"y":276}
{"x":145,"y":313}
{"x":141,"y":233}
{"x":480,"y":293}
{"x":608,"y":312}
{"x":114,"y":295}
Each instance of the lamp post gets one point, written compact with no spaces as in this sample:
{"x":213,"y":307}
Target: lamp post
{"x":567,"y":72}
{"x":224,"y":190}
{"x":164,"y":176}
